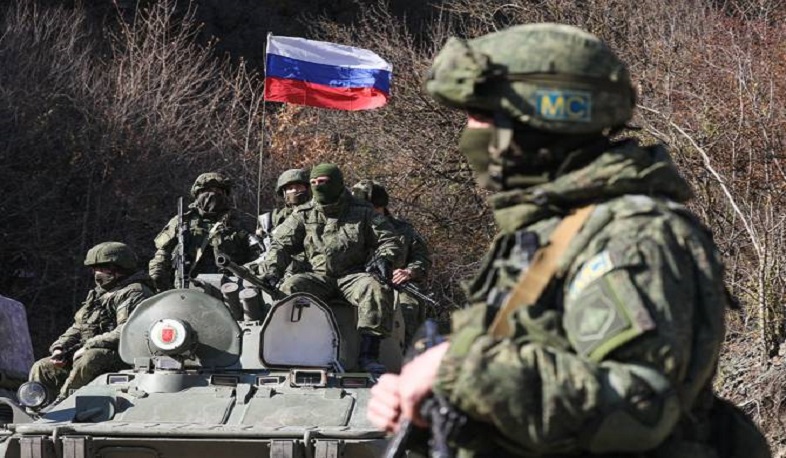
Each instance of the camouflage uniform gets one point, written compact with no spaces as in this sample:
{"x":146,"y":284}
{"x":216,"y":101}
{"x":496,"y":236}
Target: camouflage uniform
{"x":225,"y":232}
{"x":96,"y":329}
{"x":616,"y":357}
{"x":416,"y":258}
{"x":338,"y":247}
{"x":414,"y":254}
{"x":270,"y":221}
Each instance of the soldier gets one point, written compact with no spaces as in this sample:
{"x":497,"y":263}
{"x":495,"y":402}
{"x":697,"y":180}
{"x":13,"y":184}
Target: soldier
{"x":293,"y":188}
{"x":90,"y":346}
{"x":339,"y":235}
{"x":597,"y":315}
{"x":212,"y":226}
{"x":415,"y":259}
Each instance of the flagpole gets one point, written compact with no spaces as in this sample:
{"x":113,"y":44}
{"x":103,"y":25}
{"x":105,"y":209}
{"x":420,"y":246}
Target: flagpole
{"x":262,"y":142}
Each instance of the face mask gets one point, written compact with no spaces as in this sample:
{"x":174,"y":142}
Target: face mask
{"x":103,"y":279}
{"x":327,"y":193}
{"x":211,"y":203}
{"x":474,"y":145}
{"x":532,"y":158}
{"x":296,"y":197}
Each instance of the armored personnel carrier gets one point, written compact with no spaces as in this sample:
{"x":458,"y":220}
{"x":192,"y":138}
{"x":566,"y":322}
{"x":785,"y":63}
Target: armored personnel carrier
{"x":212,"y":377}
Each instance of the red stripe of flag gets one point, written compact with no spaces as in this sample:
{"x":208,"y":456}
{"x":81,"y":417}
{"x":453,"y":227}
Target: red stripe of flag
{"x":318,"y":95}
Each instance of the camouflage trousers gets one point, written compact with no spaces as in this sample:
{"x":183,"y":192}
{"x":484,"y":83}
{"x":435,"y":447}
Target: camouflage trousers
{"x":414,"y":315}
{"x":60,"y":380}
{"x":373,"y":299}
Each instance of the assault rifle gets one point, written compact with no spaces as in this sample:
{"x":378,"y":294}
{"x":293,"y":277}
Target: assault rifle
{"x":179,"y":256}
{"x":443,"y":418}
{"x":406,"y":287}
{"x":224,"y":262}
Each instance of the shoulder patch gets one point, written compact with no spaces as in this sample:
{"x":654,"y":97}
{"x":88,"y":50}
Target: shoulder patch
{"x":608,"y":314}
{"x":592,"y":270}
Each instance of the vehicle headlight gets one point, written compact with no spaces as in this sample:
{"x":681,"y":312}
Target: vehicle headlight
{"x":32,"y":394}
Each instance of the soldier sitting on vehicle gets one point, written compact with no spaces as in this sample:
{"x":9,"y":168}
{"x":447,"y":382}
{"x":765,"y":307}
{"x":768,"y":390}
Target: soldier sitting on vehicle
{"x":90,"y":346}
{"x":339,"y":235}
{"x":293,"y":188}
{"x":415,"y":260}
{"x":210,"y":225}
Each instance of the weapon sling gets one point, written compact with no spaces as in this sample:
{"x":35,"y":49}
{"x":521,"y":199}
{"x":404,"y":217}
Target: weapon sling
{"x":534,"y":280}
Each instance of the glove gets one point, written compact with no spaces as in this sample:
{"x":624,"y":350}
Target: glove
{"x":271,"y":279}
{"x":380,"y":266}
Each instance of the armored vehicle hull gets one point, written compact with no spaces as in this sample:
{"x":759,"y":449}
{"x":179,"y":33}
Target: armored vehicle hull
{"x":202,"y":384}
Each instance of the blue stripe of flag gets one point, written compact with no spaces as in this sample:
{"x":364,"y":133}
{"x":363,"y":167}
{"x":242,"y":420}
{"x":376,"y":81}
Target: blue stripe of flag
{"x":328,"y":75}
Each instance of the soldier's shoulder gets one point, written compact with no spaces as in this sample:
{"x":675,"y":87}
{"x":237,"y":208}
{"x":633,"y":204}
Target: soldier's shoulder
{"x":355,"y":202}
{"x":304,"y":208}
{"x":634,"y":218}
{"x":401,"y":224}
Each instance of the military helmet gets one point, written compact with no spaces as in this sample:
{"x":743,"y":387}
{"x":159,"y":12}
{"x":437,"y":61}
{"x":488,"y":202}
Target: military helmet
{"x":291,"y":176}
{"x":211,"y":179}
{"x":372,"y":192}
{"x":115,"y":253}
{"x":553,"y":77}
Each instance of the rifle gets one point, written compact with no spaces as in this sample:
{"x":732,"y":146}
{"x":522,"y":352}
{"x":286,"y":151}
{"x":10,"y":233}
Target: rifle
{"x":179,"y":256}
{"x":407,"y":287}
{"x":434,"y":408}
{"x":223,"y":261}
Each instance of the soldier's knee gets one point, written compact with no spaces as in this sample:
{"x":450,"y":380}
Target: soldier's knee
{"x":96,"y":359}
{"x":41,"y":368}
{"x":296,"y":283}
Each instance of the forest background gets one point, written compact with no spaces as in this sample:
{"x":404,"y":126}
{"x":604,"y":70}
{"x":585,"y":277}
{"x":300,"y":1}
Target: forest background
{"x":109,"y":110}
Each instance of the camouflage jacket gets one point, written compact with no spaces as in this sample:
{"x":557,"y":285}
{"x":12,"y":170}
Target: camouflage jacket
{"x":97,"y":324}
{"x":337,"y":240}
{"x":274,"y":219}
{"x":280,"y":214}
{"x":227,"y":235}
{"x":414,"y":251}
{"x":621,"y":346}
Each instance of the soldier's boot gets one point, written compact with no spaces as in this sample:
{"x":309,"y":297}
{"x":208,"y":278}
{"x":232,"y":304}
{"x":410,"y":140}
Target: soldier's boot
{"x":369,"y":355}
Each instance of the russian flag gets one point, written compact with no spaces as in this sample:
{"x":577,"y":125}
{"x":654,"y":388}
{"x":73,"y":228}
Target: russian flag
{"x":325,"y":75}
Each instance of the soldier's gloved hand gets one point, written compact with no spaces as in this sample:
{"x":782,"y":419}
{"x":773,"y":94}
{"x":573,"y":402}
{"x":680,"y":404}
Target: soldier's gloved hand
{"x":271,"y":279}
{"x":57,"y":357}
{"x":79,"y":353}
{"x":380,"y":266}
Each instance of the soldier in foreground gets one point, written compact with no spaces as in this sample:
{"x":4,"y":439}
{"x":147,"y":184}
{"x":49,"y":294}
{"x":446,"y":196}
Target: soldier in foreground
{"x":90,"y":346}
{"x":209,"y":225}
{"x":415,"y":259}
{"x":597,"y":315}
{"x":339,"y":234}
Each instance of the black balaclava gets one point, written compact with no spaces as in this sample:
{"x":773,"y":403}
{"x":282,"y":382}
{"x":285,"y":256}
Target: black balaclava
{"x":212,"y":203}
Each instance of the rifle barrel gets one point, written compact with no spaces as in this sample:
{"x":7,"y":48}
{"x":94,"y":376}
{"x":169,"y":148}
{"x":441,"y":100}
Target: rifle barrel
{"x":224,"y":262}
